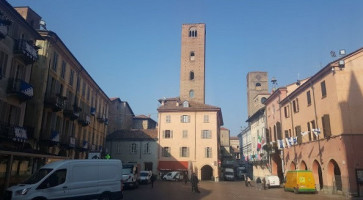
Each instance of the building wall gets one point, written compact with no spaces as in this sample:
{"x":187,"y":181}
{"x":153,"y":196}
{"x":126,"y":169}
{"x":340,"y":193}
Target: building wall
{"x":122,"y":150}
{"x":196,"y":64}
{"x":194,"y":140}
{"x":120,"y":116}
{"x":225,"y":138}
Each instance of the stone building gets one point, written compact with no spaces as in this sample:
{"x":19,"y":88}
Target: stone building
{"x":257,"y":83}
{"x":120,"y":115}
{"x":189,"y":129}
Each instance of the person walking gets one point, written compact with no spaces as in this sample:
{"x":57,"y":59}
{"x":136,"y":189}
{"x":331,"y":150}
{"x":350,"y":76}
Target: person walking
{"x":185,"y":178}
{"x":194,"y":180}
{"x":264,"y":183}
{"x":248,"y":181}
{"x":152,"y":179}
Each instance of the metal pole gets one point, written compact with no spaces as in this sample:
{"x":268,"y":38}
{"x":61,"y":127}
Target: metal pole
{"x":8,"y":170}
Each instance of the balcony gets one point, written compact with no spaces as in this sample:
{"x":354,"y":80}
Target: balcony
{"x":16,"y":133}
{"x":72,"y":112}
{"x":84,"y":119}
{"x":102,"y":118}
{"x":55,"y":102}
{"x":93,"y":111}
{"x":28,"y":52}
{"x":19,"y":88}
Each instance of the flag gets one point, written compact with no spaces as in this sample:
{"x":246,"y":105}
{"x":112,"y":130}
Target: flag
{"x":259,"y":143}
{"x":316,"y":131}
{"x":304,"y":133}
{"x":288,"y":142}
{"x":263,"y":142}
{"x":295,"y":140}
{"x":281,"y":144}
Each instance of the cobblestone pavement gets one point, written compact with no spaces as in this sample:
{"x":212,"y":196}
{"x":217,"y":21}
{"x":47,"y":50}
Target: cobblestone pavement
{"x":215,"y":191}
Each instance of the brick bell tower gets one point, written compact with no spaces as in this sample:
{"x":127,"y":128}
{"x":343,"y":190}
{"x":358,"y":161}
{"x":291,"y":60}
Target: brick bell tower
{"x":192,"y":69}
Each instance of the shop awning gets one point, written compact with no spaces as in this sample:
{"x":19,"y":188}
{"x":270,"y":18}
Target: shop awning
{"x":173,"y":165}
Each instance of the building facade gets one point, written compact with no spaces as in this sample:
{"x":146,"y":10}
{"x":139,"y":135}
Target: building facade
{"x":143,"y":122}
{"x":257,"y":83}
{"x":120,"y":115}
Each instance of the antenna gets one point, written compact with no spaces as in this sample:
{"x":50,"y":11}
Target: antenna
{"x":43,"y":24}
{"x":274,"y":83}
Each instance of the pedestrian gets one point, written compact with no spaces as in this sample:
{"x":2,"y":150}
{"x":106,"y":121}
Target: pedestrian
{"x":185,"y":177}
{"x":194,"y":180}
{"x":264,"y":183}
{"x":152,"y":179}
{"x":248,"y":181}
{"x":258,"y":183}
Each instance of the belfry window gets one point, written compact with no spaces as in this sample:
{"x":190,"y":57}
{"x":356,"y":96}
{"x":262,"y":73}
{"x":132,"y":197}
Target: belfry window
{"x":191,"y":93}
{"x":193,"y":32}
{"x":192,"y":55}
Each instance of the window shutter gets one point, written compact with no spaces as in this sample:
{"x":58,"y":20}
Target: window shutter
{"x":187,"y":151}
{"x":181,"y":119}
{"x":206,"y":152}
{"x":171,"y":134}
{"x":202,"y":134}
{"x":164,"y":134}
{"x":180,"y":151}
{"x":326,"y":125}
{"x":210,"y":152}
{"x":188,"y":119}
{"x":209,"y":134}
{"x":298,"y":134}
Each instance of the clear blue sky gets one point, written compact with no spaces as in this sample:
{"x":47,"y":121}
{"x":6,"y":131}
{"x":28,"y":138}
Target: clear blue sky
{"x":131,"y":48}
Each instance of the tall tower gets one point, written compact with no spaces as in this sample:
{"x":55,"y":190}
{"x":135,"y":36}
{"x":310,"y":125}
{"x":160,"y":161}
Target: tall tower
{"x":257,"y":83}
{"x":192,"y":69}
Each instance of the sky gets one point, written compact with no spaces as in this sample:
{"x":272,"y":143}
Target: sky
{"x":131,"y":48}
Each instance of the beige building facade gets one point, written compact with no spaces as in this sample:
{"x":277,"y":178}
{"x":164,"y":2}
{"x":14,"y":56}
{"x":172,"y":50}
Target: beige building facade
{"x":323,"y":116}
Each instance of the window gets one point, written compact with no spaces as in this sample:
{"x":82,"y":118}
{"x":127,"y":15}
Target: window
{"x":295,"y":105}
{"x":206,"y":118}
{"x":55,"y":179}
{"x":309,"y":129}
{"x":286,"y":111}
{"x":71,"y":76}
{"x":286,"y":133}
{"x":133,"y":148}
{"x":313,"y":127}
{"x":88,"y":93}
{"x":208,"y":152}
{"x":191,"y":75}
{"x":192,"y":56}
{"x":185,"y":104}
{"x":184,"y":152}
{"x":168,"y":119}
{"x":166,"y":151}
{"x":63,"y":72}
{"x":308,"y":96}
{"x":3,"y":63}
{"x":258,"y":86}
{"x":55,"y":61}
{"x":326,"y":126}
{"x":191,"y":93}
{"x":168,"y":134}
{"x":147,"y":149}
{"x":298,"y":134}
{"x":84,"y":89}
{"x":206,"y":134}
{"x":185,"y":119}
{"x":185,"y":133}
{"x":323,"y":89}
{"x":193,"y":32}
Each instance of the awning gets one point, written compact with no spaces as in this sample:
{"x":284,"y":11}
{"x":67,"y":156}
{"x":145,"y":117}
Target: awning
{"x":173,"y":165}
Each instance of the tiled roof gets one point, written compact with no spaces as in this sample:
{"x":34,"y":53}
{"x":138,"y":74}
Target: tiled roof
{"x":142,"y":117}
{"x":175,"y":104}
{"x":233,"y":138}
{"x":114,"y":98}
{"x":134,"y":134}
{"x":222,"y":128}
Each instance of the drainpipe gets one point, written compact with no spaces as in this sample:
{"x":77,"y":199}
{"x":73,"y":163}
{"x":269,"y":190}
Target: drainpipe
{"x":316,"y":119}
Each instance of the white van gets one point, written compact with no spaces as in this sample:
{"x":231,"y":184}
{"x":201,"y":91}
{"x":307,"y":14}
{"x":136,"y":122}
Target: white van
{"x":78,"y":179}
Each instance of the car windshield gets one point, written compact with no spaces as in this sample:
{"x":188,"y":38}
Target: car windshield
{"x":126,"y":171}
{"x":37,"y":176}
{"x":144,"y":174}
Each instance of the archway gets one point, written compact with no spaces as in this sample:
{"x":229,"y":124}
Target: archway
{"x":318,"y":175}
{"x":292,"y":166}
{"x":303,"y":166}
{"x":334,"y":176}
{"x":276,"y":166}
{"x":206,"y":173}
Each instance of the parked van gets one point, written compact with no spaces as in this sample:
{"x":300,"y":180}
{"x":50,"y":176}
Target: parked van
{"x":272,"y":181}
{"x":173,"y":176}
{"x":78,"y":179}
{"x":300,"y":181}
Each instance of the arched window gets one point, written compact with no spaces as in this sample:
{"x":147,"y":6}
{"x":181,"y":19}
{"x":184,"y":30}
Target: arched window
{"x":192,"y":55}
{"x":191,"y":93}
{"x":193,"y":32}
{"x":191,"y":75}
{"x":258,"y":86}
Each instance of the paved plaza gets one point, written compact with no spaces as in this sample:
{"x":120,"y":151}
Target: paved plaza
{"x":214,"y":191}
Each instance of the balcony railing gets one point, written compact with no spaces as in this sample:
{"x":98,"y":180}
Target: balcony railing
{"x":84,"y":119}
{"x":20,"y":88}
{"x":102,"y":119}
{"x":93,"y":111}
{"x":27,"y":51}
{"x":14,"y":132}
{"x":72,"y":112}
{"x":55,"y":102}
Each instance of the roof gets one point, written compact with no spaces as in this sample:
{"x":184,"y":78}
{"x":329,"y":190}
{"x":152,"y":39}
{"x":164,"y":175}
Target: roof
{"x":233,"y":138}
{"x":133,"y":134}
{"x":115,"y":98}
{"x":176,"y":105}
{"x":142,"y":117}
{"x":226,"y":129}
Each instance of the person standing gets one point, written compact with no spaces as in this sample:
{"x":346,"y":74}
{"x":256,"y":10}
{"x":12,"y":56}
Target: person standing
{"x":185,"y":177}
{"x":195,"y":181}
{"x":152,"y":179}
{"x":248,"y":181}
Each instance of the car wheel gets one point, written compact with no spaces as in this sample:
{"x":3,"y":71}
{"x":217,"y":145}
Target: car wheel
{"x":296,"y":191}
{"x":105,"y":197}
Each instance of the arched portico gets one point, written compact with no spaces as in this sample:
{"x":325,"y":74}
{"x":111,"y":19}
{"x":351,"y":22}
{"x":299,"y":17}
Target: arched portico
{"x":206,"y":172}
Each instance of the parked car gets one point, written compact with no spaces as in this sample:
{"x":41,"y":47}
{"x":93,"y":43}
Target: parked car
{"x":272,"y":181}
{"x":300,"y":181}
{"x":173,"y":176}
{"x":145,"y":177}
{"x":72,"y":179}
